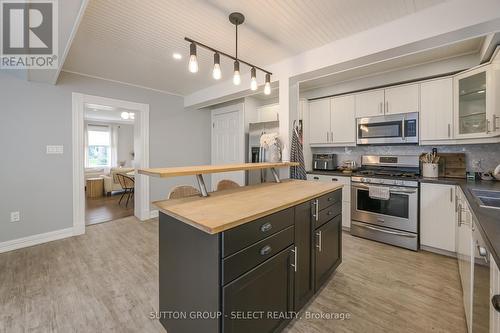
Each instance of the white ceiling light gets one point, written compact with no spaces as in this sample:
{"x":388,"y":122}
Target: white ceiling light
{"x":177,"y":56}
{"x":125,"y":115}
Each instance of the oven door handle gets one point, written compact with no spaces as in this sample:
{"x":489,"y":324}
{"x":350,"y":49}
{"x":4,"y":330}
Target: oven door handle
{"x":404,"y":234}
{"x":395,"y":190}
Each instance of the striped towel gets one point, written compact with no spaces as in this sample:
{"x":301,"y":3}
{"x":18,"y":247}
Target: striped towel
{"x":297,"y":155}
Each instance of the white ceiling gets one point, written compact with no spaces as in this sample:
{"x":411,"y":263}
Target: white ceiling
{"x":133,"y":41}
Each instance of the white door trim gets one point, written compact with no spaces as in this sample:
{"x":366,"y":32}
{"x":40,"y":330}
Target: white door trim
{"x":241,"y":118}
{"x":141,"y":149}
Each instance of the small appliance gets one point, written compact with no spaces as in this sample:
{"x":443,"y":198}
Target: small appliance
{"x":324,"y":162}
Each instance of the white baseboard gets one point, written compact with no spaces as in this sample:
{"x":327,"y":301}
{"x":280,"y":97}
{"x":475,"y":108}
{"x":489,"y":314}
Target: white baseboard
{"x":20,"y":243}
{"x":438,"y":251}
{"x":154,"y":214}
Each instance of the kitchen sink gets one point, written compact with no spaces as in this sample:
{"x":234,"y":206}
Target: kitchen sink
{"x":487,"y":199}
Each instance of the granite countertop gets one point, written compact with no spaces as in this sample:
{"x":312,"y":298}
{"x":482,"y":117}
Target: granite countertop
{"x":488,"y":218}
{"x":223,"y":210}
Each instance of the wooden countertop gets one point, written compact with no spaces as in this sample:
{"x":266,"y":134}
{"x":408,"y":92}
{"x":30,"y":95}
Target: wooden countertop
{"x":203,"y":169}
{"x":227,"y":209}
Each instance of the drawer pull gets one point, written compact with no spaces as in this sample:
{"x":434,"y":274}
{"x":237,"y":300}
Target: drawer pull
{"x":318,"y":244}
{"x":266,"y":227}
{"x":495,"y":301}
{"x":265,"y":250}
{"x":335,"y":180}
{"x":329,"y":212}
{"x":330,"y":198}
{"x":316,"y":178}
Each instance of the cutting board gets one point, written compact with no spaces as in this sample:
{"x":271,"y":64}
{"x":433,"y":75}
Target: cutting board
{"x":452,"y":165}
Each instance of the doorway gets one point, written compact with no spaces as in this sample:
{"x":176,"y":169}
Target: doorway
{"x":106,"y":185}
{"x":228,"y":142}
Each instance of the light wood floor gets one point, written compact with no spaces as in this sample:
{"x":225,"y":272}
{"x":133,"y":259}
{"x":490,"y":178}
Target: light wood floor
{"x":107,"y":281}
{"x":105,"y":209}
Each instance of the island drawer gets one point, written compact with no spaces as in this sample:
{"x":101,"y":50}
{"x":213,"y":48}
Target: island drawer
{"x":327,"y":214}
{"x":329,"y":199}
{"x":240,"y":237}
{"x":246,"y":259}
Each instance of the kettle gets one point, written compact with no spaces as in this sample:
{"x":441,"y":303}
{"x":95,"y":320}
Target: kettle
{"x":496,"y":173}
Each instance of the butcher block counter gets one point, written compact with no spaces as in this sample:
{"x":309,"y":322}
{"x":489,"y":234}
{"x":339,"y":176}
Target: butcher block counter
{"x":230,"y":208}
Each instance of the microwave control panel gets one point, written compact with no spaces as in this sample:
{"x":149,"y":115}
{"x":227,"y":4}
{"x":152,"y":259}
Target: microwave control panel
{"x":411,"y":128}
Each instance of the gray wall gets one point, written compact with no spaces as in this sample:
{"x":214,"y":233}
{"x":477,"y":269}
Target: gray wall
{"x":33,"y":115}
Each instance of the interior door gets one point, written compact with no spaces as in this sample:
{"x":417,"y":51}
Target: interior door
{"x":370,"y":104}
{"x":328,"y":251}
{"x":343,"y":120}
{"x":402,"y":99}
{"x":319,"y":121}
{"x":228,"y":142}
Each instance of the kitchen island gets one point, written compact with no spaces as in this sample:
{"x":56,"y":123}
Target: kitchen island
{"x":245,"y":259}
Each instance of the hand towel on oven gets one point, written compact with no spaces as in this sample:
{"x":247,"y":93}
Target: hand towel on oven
{"x":379,"y":192}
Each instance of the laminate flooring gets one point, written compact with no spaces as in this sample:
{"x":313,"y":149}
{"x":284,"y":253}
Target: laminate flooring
{"x":106,"y":208}
{"x":107,"y":281}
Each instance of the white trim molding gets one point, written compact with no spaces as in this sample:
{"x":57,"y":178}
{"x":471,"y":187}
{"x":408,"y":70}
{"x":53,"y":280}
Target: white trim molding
{"x":23,"y":242}
{"x":141,"y":149}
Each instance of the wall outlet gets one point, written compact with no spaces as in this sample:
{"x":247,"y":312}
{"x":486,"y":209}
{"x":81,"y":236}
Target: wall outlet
{"x":15,"y":217}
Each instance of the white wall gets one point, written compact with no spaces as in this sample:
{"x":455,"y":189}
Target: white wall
{"x":33,"y":115}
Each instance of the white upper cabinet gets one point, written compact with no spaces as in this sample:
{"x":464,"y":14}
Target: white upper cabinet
{"x":319,"y":121}
{"x":437,"y":216}
{"x":436,"y":110}
{"x":477,"y":101}
{"x":402,"y":99}
{"x":369,"y":104}
{"x":343,"y":120}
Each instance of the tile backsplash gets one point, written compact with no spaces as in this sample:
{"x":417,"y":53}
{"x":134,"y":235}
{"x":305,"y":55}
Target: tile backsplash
{"x":488,"y":155}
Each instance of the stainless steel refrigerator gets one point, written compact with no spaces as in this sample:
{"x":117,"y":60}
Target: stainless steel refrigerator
{"x":258,"y":154}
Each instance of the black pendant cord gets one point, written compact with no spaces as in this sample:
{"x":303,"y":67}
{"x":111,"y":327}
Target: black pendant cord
{"x":236,"y":42}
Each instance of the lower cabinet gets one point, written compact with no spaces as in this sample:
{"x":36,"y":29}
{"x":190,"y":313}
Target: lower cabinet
{"x":437,"y":216}
{"x":304,"y":283}
{"x":494,"y":296}
{"x":266,"y":289}
{"x":328,"y":250}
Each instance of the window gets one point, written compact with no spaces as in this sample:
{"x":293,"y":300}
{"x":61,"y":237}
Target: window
{"x":99,"y":146}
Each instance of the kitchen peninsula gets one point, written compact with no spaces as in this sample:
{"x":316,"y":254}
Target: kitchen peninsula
{"x":243,"y":260}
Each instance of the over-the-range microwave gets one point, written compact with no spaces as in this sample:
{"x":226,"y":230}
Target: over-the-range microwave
{"x":389,"y":129}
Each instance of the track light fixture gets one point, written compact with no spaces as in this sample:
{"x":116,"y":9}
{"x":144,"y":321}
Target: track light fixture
{"x":193,"y":61}
{"x":236,"y":19}
{"x":216,"y":73}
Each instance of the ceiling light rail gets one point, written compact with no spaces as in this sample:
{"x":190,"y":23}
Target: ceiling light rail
{"x":236,"y":19}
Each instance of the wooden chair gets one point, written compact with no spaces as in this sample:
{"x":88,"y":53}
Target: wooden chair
{"x":183,"y":191}
{"x":128,"y":185}
{"x":226,"y":184}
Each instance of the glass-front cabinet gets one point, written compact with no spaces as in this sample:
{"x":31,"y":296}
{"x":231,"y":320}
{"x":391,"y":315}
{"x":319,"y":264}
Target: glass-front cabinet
{"x":476,"y":114}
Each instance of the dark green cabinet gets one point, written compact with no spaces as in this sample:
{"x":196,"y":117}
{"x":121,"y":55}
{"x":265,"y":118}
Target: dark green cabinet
{"x":304,"y":283}
{"x":328,"y":250}
{"x":268,"y":288}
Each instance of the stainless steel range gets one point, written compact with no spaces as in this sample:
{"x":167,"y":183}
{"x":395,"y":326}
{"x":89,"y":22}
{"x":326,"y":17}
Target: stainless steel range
{"x":384,"y":200}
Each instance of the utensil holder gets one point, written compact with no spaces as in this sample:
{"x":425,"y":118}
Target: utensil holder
{"x":430,"y":170}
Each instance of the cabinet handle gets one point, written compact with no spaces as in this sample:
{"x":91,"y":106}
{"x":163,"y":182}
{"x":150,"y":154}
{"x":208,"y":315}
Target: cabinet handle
{"x":451,"y":194}
{"x":316,"y":209}
{"x":315,"y":165}
{"x":495,"y":301}
{"x":318,"y":245}
{"x":459,"y":214}
{"x":449,"y":130}
{"x":316,"y":178}
{"x":386,"y":106}
{"x":381,"y":107}
{"x":488,"y":126}
{"x":294,"y":265}
{"x":495,"y":127}
{"x":265,"y":250}
{"x":335,"y":179}
{"x":266,"y":227}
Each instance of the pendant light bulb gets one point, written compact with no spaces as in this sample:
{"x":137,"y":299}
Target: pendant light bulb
{"x":253,"y":80}
{"x":217,"y":73}
{"x":236,"y":75}
{"x":267,"y":86}
{"x":193,"y":61}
